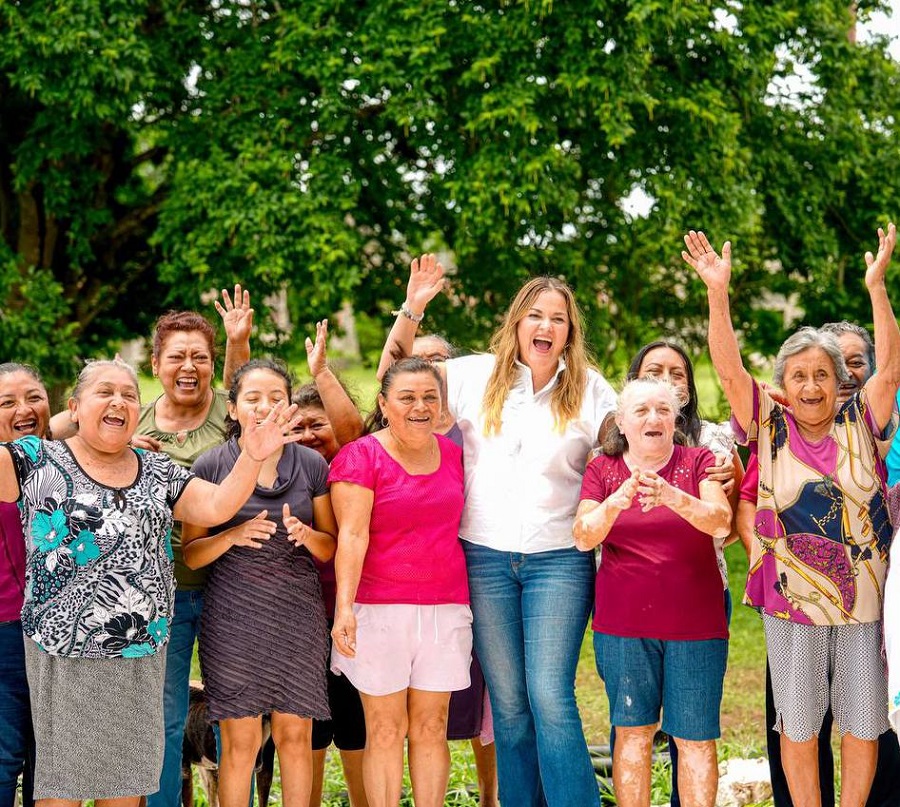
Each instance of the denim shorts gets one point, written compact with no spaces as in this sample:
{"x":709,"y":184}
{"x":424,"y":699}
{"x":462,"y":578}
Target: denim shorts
{"x":683,"y":678}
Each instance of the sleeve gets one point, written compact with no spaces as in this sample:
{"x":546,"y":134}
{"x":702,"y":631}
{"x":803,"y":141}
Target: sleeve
{"x":717,"y":437}
{"x":883,"y":438}
{"x":177,"y":478}
{"x":205,"y":466}
{"x":704,"y":460}
{"x":750,"y":482}
{"x":354,"y":463}
{"x":593,"y":485}
{"x":318,"y":476}
{"x":26,"y":454}
{"x":603,"y":400}
{"x":762,"y":407}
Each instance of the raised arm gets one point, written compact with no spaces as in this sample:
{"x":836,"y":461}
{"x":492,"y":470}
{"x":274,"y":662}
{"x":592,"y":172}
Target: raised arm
{"x":426,"y":279}
{"x":342,"y":413}
{"x":881,"y":388}
{"x":715,"y":272}
{"x":237,"y":317}
{"x":205,"y":504}
{"x":353,"y":509}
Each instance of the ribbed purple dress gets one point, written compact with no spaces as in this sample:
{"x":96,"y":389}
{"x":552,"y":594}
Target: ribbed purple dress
{"x":263,"y":634}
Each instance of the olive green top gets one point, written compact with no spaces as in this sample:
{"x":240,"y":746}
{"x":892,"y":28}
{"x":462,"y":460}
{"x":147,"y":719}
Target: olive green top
{"x":184,"y":448}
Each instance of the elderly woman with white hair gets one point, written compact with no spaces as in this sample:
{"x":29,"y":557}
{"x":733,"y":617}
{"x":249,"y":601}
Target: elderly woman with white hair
{"x":817,"y":568}
{"x":653,"y":507}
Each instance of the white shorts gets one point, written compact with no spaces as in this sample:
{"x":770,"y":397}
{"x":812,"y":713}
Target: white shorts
{"x":427,"y":647}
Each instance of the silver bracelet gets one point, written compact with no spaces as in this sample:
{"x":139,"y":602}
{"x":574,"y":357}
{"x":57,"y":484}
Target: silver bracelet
{"x":405,"y":312}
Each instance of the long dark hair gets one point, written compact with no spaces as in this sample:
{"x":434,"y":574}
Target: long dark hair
{"x":233,"y":428}
{"x":688,"y":419}
{"x":375,"y":420}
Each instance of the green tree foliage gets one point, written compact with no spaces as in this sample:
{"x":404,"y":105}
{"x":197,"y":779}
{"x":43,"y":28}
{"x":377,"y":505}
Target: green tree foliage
{"x":151,"y":151}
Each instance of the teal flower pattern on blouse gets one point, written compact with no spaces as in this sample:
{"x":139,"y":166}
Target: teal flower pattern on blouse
{"x":84,"y":548}
{"x":49,"y":531}
{"x":159,"y":629}
{"x":138,"y":650}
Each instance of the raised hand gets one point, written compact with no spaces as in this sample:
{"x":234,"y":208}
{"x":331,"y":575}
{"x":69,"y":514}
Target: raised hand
{"x":237,"y":316}
{"x":253,"y":532}
{"x":876,"y":265}
{"x":316,"y":357}
{"x":714,"y":271}
{"x":297,"y":531}
{"x":426,"y":279}
{"x":262,"y":439}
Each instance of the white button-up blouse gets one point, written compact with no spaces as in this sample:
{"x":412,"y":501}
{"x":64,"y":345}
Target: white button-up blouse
{"x":522,"y":485}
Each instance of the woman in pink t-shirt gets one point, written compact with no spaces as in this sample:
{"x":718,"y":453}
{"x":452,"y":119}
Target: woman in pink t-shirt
{"x":402,"y":625}
{"x":659,"y":626}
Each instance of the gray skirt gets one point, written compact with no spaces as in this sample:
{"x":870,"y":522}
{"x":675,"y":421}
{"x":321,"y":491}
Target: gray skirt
{"x":98,"y":724}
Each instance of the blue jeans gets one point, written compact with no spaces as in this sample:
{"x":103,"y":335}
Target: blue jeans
{"x":16,"y":736}
{"x":182,"y":634}
{"x":530,"y":614}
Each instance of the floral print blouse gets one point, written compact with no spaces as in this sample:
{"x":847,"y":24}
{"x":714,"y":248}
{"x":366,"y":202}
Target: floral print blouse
{"x":98,"y":580}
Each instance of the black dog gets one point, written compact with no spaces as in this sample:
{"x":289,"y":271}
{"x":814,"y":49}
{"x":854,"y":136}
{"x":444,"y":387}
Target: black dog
{"x":199,"y":748}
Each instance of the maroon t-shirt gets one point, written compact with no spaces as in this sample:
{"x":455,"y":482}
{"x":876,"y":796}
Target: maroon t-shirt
{"x":12,"y":562}
{"x":658,"y":577}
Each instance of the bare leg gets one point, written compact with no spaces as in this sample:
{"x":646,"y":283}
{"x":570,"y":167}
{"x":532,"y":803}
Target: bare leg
{"x":429,"y":754}
{"x":318,"y":777}
{"x":698,"y":772}
{"x":801,"y":768}
{"x":386,"y":727}
{"x":486,"y":766}
{"x":858,"y":761}
{"x":241,"y":739}
{"x":631,"y":765}
{"x":124,"y":801}
{"x":352,"y":762}
{"x":293,"y":741}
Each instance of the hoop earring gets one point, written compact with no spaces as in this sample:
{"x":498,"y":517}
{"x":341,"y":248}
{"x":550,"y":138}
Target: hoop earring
{"x":384,"y":422}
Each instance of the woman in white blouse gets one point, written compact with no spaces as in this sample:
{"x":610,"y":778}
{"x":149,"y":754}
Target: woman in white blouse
{"x":530,"y":412}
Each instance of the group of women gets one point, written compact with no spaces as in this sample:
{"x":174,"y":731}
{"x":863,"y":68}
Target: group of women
{"x":467,"y":518}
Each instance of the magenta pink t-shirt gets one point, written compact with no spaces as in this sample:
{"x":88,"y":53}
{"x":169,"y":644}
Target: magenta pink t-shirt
{"x":658,"y":577}
{"x":12,"y":562}
{"x":414,"y":554}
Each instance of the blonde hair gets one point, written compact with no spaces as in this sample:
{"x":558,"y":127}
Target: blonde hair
{"x":565,"y":401}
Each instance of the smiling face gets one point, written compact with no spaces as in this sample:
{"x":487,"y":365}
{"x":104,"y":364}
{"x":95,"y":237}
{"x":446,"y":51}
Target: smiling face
{"x":542,"y":334}
{"x":856,"y":356}
{"x":184,"y":366}
{"x":24,"y":406}
{"x":257,"y":394}
{"x":107,"y":409}
{"x":667,"y":365}
{"x":646,"y":418}
{"x":412,"y":404}
{"x":315,"y":431}
{"x":811,"y":387}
